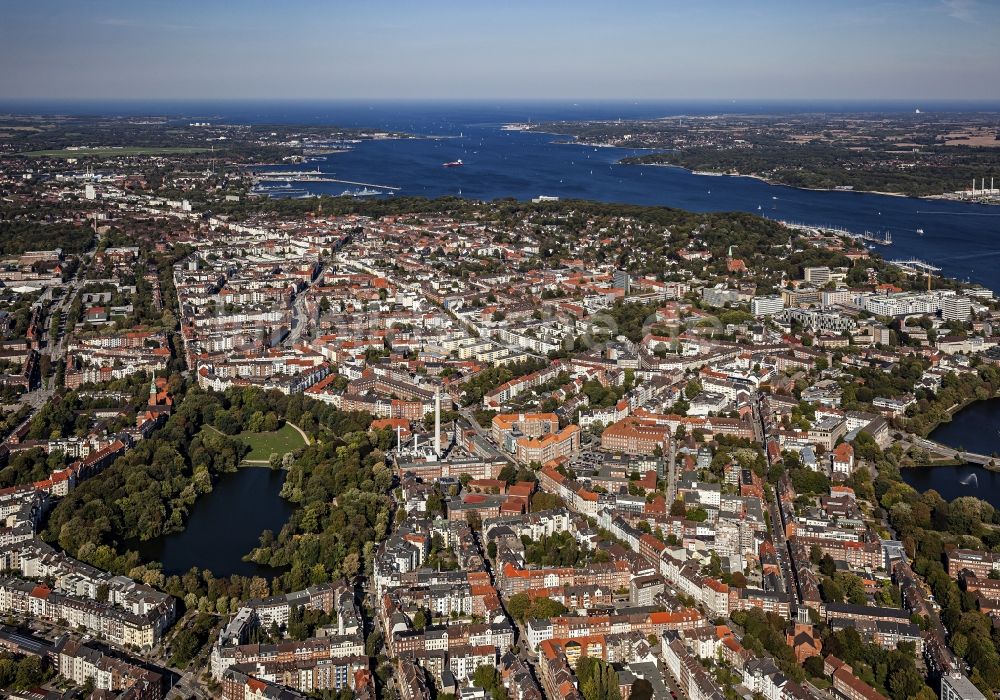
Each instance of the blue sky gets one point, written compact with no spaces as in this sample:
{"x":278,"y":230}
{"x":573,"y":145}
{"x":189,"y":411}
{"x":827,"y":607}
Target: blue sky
{"x":359,"y":49}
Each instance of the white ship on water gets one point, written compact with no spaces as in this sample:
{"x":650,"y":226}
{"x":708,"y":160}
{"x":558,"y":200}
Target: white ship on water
{"x":364,"y":192}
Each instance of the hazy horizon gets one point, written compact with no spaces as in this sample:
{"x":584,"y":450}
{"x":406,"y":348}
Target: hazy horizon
{"x":444,"y":50}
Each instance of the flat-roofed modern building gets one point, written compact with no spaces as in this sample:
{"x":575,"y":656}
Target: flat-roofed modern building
{"x":955,"y":686}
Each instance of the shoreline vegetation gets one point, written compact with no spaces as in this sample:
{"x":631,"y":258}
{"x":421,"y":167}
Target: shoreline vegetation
{"x":635,"y":160}
{"x":892,"y":153}
{"x":954,"y":461}
{"x":775,"y":183}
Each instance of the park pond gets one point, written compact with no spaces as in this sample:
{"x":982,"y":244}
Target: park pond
{"x":225,"y":525}
{"x":975,"y":429}
{"x":955,"y":481}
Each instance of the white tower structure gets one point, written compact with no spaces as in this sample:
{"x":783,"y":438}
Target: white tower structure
{"x":437,"y":423}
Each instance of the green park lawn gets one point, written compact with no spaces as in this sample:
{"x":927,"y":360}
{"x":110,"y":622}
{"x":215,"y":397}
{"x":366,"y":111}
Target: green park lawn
{"x":263,"y":445}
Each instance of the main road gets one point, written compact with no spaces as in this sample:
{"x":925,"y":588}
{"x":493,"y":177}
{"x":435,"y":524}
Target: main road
{"x":782,"y":549}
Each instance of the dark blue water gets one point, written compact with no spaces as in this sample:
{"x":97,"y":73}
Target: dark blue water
{"x":224,"y":526}
{"x":975,"y":429}
{"x":963,"y":239}
{"x":955,"y":482}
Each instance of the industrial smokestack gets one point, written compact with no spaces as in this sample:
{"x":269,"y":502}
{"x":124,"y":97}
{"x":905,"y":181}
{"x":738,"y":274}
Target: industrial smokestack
{"x":437,"y":423}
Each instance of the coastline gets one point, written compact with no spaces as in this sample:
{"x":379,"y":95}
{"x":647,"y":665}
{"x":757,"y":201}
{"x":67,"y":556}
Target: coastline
{"x":712,"y":173}
{"x":943,"y":197}
{"x":952,"y":411}
{"x":946,"y":462}
{"x":777,"y":183}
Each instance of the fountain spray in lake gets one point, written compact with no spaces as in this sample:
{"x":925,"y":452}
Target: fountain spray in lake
{"x":970,"y":480}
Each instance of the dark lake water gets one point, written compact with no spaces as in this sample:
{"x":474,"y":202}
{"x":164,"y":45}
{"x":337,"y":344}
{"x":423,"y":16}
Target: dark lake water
{"x":225,"y":525}
{"x":954,"y":482}
{"x":975,"y":429}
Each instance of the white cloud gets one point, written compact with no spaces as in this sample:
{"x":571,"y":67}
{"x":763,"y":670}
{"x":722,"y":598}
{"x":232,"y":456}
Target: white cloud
{"x":964,"y":10}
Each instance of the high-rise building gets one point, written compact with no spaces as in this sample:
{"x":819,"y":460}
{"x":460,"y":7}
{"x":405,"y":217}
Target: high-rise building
{"x":622,"y":280}
{"x":817,"y":275}
{"x":956,"y":308}
{"x":767,"y":306}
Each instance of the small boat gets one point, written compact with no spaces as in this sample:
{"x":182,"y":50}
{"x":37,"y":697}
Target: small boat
{"x":920,"y":232}
{"x":453,"y":164}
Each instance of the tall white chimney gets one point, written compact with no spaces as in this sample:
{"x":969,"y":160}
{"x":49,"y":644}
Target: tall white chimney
{"x":399,"y":439}
{"x":437,"y":423}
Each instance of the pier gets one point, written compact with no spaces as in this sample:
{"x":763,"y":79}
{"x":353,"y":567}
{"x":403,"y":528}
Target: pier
{"x":813,"y":227}
{"x":314,"y":176}
{"x":868,"y":236}
{"x":914,"y":266}
{"x":273,"y":174}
